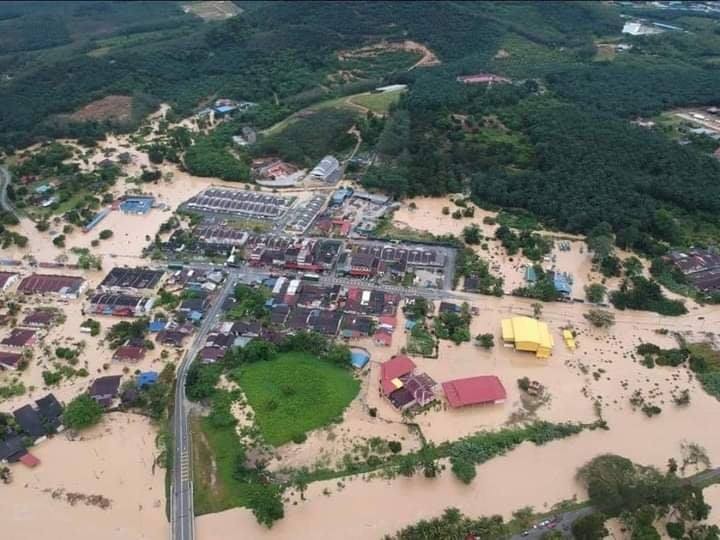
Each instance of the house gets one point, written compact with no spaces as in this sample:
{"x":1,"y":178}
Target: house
{"x":391,"y":370}
{"x":7,"y":279}
{"x":137,"y":205}
{"x":19,"y":338}
{"x":40,"y":318}
{"x":363,"y":264}
{"x":481,"y":390}
{"x":359,"y":358}
{"x":382,"y":337}
{"x":105,"y":389}
{"x":120,"y":305}
{"x":68,"y":287}
{"x":356,"y":326}
{"x":30,"y":422}
{"x":9,"y":360}
{"x":146,"y":378}
{"x":119,"y":279}
{"x":157,"y":325}
{"x":50,"y":412}
{"x":11,"y":448}
{"x":449,"y":307}
{"x":171,"y":337}
{"x":328,"y":170}
{"x":387,"y":322}
{"x":527,"y":334}
{"x":129,"y":353}
{"x":193,"y":304}
{"x":414,"y":389}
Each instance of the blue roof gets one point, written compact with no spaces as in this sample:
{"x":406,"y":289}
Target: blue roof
{"x":147,"y":378}
{"x":225,"y":108}
{"x":139,"y":205}
{"x":410,"y":324}
{"x":359,"y":359}
{"x":157,"y":326}
{"x":195,"y":316}
{"x":530,"y":274}
{"x":561,"y":284}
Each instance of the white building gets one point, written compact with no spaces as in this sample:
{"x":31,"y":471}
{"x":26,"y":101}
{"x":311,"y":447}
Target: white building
{"x":328,"y":170}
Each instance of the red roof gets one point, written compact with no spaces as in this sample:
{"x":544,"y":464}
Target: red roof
{"x":383,"y":337}
{"x":474,"y":391}
{"x":29,"y":460}
{"x":128,"y":352}
{"x":389,"y":320}
{"x":397,"y":366}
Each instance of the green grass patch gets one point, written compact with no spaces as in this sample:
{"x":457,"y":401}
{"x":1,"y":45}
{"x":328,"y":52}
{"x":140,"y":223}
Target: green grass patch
{"x":378,"y":102}
{"x":215,"y":456}
{"x":295,"y":393}
{"x":518,"y":219}
{"x":420,"y":341}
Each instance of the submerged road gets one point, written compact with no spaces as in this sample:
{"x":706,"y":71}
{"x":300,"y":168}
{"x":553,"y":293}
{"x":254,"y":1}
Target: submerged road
{"x":182,"y":513}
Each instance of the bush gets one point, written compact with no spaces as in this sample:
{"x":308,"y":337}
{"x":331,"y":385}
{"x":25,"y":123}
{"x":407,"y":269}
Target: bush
{"x":395,"y":447}
{"x":463,"y":469}
{"x":82,"y":412}
{"x":105,"y":234}
{"x":299,"y":438}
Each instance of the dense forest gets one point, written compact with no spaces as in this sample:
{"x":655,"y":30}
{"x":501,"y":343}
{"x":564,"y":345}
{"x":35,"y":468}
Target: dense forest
{"x":556,"y":142}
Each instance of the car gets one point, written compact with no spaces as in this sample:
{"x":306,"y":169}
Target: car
{"x":525,"y":533}
{"x":544,"y":523}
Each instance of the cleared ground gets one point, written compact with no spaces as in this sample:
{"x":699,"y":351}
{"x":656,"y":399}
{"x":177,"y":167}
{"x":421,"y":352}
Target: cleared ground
{"x":212,"y":11}
{"x":116,"y":108}
{"x":378,"y":103}
{"x":295,"y":393}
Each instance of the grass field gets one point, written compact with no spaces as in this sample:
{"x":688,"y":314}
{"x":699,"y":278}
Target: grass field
{"x":214,"y":455}
{"x":420,"y":341}
{"x":378,"y":103}
{"x":295,"y":393}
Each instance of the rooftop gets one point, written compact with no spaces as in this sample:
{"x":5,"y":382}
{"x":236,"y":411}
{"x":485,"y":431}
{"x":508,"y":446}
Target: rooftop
{"x":474,"y":391}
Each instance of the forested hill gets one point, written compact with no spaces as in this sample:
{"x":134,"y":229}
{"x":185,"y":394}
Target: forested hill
{"x":556,"y":142}
{"x":60,"y":56}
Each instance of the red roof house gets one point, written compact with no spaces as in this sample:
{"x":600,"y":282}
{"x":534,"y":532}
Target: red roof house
{"x":382,"y":337}
{"x":388,"y":320}
{"x":129,"y":353}
{"x":479,"y":390}
{"x":29,"y":460}
{"x":9,"y":360}
{"x":19,"y":337}
{"x":394,"y":368}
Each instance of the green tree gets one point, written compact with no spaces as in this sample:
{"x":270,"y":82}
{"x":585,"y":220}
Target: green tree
{"x":82,"y":412}
{"x":472,"y":234}
{"x":595,"y":293}
{"x":463,"y":469}
{"x":105,"y":234}
{"x":590,"y":527}
{"x":600,"y":318}
{"x":301,"y":480}
{"x":486,"y":341}
{"x":266,"y":504}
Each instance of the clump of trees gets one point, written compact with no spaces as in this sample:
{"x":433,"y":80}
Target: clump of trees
{"x":644,"y":294}
{"x":454,"y":326}
{"x":600,"y":318}
{"x":82,"y":412}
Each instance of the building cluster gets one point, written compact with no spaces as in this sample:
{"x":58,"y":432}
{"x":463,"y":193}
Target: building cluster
{"x":700,"y":266}
{"x":404,"y":387}
{"x":239,"y":203}
{"x":25,"y":335}
{"x":126,"y":292}
{"x":352,"y":213}
{"x":295,"y":305}
{"x":271,"y":172}
{"x":33,"y":424}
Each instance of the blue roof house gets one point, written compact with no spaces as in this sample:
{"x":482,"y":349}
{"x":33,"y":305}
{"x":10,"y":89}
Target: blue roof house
{"x":147,"y":378}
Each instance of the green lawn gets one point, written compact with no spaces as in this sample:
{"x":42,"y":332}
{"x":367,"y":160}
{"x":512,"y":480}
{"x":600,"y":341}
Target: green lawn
{"x":214,"y":455}
{"x":295,"y":393}
{"x":377,"y":103}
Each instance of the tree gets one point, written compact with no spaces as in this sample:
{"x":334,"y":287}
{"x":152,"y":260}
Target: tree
{"x":537,"y":309}
{"x":59,"y":241}
{"x":486,"y":341}
{"x":82,"y":412}
{"x":338,"y":354}
{"x":595,"y":292}
{"x":301,"y":480}
{"x":105,"y":234}
{"x":267,"y":505}
{"x":472,"y":234}
{"x":463,"y":469}
{"x":590,"y":527}
{"x":155,"y":154}
{"x":600,"y":241}
{"x":600,"y":318}
{"x":632,"y":266}
{"x":408,"y":464}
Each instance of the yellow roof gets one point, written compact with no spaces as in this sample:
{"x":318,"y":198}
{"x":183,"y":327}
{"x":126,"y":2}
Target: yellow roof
{"x":507,"y":330}
{"x":528,"y":334}
{"x":569,"y":339}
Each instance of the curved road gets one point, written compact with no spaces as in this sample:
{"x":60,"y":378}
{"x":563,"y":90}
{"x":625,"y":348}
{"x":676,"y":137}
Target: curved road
{"x":182,"y":513}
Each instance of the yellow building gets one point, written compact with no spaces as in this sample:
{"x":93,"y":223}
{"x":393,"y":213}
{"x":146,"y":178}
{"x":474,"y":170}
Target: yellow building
{"x":527,"y":334}
{"x":569,"y":340}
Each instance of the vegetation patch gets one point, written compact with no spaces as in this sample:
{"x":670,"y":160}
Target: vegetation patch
{"x":295,"y":393}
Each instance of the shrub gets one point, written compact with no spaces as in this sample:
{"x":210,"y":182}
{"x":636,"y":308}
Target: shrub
{"x":82,"y":412}
{"x":395,"y":446}
{"x":299,"y":438}
{"x":105,"y":234}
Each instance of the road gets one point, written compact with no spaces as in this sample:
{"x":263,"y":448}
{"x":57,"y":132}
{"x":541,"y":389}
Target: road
{"x":4,"y":183}
{"x":565,"y":520}
{"x":182,"y":514}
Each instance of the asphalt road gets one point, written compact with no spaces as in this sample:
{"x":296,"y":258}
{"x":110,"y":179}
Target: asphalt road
{"x":182,"y":514}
